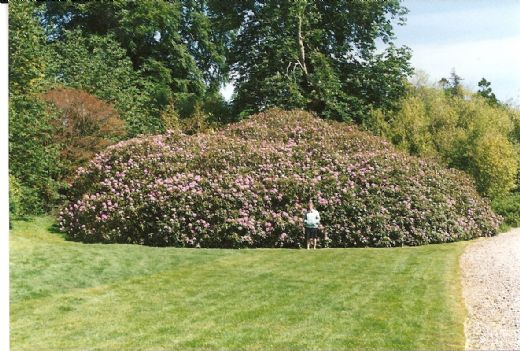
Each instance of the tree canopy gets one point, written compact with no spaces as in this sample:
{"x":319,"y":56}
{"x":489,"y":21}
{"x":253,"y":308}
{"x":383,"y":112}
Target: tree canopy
{"x":325,"y":56}
{"x":486,"y":92}
{"x":33,"y":158}
{"x":319,"y":55}
{"x":172,"y":42}
{"x":459,"y":128}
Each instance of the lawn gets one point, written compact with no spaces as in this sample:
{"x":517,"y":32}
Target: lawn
{"x":66,"y":295}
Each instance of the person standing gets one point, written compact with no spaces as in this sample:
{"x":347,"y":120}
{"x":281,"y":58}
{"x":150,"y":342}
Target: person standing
{"x":311,"y":222}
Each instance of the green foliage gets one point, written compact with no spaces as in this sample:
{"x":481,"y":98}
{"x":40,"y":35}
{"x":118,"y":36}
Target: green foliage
{"x":99,"y":65}
{"x":170,"y":117}
{"x":217,"y":109}
{"x":465,"y":133}
{"x":514,"y":115}
{"x":508,"y":206}
{"x":197,"y":123}
{"x":494,"y":164}
{"x":15,"y":197}
{"x":28,"y":55}
{"x":328,"y":98}
{"x":320,"y":56}
{"x":33,"y":156}
{"x":173,"y":43}
{"x":486,"y":92}
{"x":247,"y":185}
{"x":452,"y":86}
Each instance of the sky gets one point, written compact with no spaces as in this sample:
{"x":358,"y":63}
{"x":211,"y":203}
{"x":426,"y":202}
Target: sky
{"x":476,"y":38}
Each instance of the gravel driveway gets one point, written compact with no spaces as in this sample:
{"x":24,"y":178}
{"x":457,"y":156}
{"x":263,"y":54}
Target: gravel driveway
{"x":491,"y":287}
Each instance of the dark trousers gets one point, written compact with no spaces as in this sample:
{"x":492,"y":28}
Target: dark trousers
{"x":311,"y":233}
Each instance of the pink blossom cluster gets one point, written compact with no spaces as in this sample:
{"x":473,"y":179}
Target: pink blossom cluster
{"x":248,"y":184}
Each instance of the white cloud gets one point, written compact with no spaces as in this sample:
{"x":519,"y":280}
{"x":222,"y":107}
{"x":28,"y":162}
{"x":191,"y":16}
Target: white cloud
{"x":478,"y":38}
{"x":495,"y":59}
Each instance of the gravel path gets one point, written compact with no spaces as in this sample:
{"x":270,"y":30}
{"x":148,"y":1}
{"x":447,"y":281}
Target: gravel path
{"x":491,"y":286}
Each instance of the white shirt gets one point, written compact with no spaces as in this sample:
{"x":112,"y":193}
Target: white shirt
{"x":311,"y":219}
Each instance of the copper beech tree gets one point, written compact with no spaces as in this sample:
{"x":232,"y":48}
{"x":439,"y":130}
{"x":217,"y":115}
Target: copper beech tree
{"x":85,"y":125}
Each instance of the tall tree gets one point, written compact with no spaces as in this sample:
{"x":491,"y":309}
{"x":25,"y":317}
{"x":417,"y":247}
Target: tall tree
{"x":98,"y":65}
{"x":486,"y":92}
{"x":85,"y":126}
{"x":171,"y":41}
{"x":33,"y":157}
{"x":465,"y":133}
{"x":452,"y":85}
{"x":28,"y":55}
{"x":319,"y":55}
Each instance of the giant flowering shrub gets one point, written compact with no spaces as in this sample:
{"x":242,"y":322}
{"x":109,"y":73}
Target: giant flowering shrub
{"x":247,"y":186}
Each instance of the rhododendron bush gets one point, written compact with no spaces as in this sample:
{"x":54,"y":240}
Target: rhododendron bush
{"x":247,"y":186}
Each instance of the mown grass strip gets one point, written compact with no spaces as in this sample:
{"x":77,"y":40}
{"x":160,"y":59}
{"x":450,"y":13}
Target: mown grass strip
{"x":109,"y":297}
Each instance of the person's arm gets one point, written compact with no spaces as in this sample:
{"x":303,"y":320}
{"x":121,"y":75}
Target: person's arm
{"x":318,"y":217}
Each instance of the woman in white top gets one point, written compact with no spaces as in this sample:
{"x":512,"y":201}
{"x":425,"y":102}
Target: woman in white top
{"x":311,"y":222}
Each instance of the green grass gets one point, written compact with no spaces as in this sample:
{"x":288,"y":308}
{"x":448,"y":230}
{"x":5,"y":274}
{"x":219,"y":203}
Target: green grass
{"x":67,"y":295}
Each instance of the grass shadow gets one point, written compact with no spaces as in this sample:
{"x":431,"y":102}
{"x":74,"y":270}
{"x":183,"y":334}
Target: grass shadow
{"x":55,"y":229}
{"x":18,"y":218}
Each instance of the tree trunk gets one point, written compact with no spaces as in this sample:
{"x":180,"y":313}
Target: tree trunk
{"x":300,"y":43}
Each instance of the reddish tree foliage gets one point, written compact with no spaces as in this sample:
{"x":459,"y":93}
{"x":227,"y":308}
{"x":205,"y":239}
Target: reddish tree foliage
{"x":85,"y":126}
